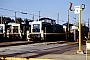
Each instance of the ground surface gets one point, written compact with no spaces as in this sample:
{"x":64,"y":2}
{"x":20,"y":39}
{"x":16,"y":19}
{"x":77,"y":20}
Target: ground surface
{"x":55,"y":51}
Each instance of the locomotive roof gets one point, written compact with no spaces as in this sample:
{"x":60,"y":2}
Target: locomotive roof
{"x":67,"y":24}
{"x":11,"y":23}
{"x":46,"y":19}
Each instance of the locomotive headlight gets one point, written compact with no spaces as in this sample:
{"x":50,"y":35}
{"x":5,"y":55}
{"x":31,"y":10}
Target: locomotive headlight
{"x":16,"y":35}
{"x":38,"y":36}
{"x":21,"y":31}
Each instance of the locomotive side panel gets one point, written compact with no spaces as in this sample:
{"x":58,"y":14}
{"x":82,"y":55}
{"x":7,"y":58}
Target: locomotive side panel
{"x":2,"y":32}
{"x":59,"y":33}
{"x":47,"y":28}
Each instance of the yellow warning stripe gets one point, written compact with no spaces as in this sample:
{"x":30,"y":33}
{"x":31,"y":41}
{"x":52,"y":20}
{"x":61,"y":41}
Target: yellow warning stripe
{"x":13,"y":58}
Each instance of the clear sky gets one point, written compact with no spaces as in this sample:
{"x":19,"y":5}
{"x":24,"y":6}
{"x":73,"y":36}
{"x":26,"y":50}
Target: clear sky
{"x":48,"y":8}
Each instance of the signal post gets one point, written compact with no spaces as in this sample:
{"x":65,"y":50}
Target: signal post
{"x":78,"y":11}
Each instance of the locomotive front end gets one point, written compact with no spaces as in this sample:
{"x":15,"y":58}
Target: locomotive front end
{"x":14,"y":31}
{"x":36,"y":33}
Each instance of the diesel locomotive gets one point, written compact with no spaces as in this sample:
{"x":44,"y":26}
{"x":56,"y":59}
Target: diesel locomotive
{"x":46,"y":29}
{"x":14,"y":31}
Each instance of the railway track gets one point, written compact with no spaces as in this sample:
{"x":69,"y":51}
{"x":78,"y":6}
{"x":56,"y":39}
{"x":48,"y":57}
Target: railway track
{"x":23,"y":42}
{"x":34,"y":50}
{"x":14,"y":43}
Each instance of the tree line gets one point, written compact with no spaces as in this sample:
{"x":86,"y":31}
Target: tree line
{"x":6,"y":20}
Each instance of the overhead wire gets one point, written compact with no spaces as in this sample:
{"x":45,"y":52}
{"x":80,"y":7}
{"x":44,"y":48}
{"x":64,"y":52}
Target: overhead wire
{"x":12,"y":7}
{"x":19,"y":12}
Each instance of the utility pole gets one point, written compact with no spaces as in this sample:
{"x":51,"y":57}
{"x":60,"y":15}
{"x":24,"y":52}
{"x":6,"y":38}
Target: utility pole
{"x":39,"y":15}
{"x":57,"y":18}
{"x":68,"y":30}
{"x":33,"y":17}
{"x":88,"y":22}
{"x":15,"y":17}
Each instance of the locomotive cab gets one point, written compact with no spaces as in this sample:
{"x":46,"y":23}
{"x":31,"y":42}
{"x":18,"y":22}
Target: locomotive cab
{"x":14,"y":31}
{"x":36,"y":30}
